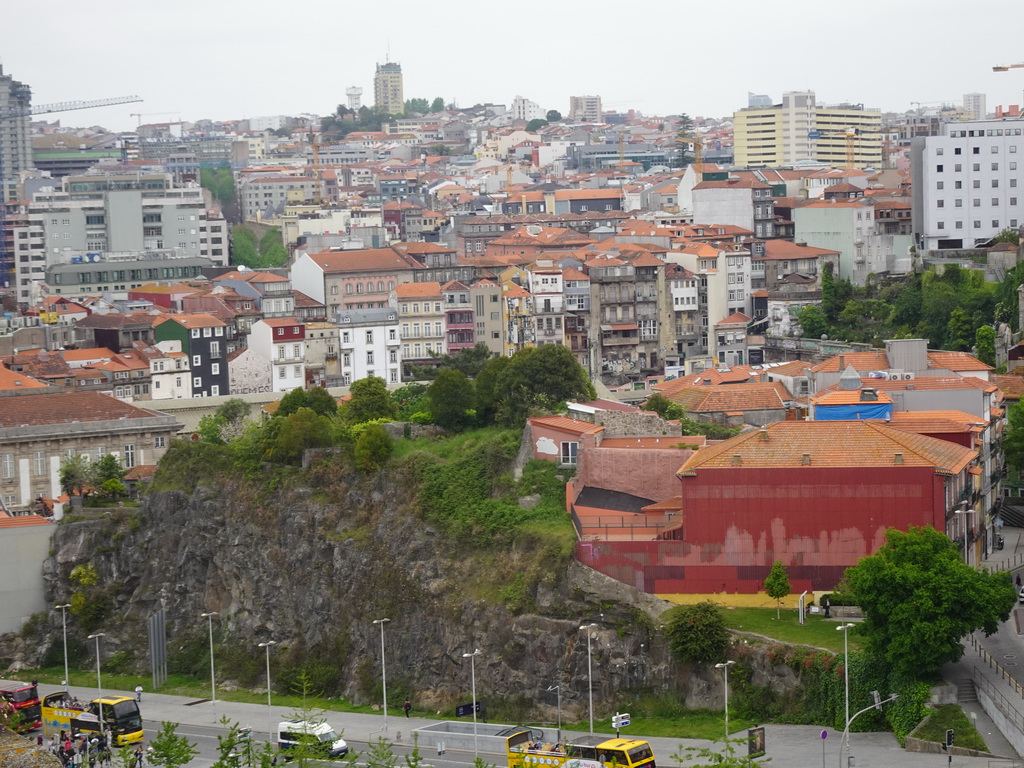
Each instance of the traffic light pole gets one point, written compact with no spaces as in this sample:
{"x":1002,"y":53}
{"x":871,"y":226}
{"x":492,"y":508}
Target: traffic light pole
{"x":846,"y":731}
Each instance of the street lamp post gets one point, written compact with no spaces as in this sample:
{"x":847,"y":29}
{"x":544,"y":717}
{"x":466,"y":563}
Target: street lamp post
{"x":558,"y":692}
{"x":845,"y":629}
{"x":99,"y":682}
{"x":724,"y":666}
{"x":64,"y":630}
{"x":472,"y":671}
{"x":383,"y":671}
{"x":270,"y":712}
{"x":588,"y":628}
{"x":965,"y":511}
{"x":846,"y":732}
{"x":213,"y":680}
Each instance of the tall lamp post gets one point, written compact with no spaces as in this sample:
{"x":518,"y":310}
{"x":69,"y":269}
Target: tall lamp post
{"x":964,"y":511}
{"x":472,"y":671}
{"x":64,"y":630}
{"x":588,"y":628}
{"x":724,"y":666}
{"x":99,"y":683}
{"x":383,"y":671}
{"x":270,"y":712}
{"x":845,"y":629}
{"x":213,"y":680}
{"x":558,"y":692}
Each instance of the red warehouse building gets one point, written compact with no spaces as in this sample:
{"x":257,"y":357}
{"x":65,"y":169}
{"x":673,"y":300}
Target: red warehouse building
{"x":816,"y":495}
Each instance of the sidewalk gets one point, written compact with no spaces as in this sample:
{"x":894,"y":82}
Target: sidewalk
{"x":990,"y":662}
{"x":789,"y":746}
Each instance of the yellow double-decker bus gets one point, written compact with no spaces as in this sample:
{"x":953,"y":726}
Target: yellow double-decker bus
{"x":584,"y":752}
{"x":121,"y":717}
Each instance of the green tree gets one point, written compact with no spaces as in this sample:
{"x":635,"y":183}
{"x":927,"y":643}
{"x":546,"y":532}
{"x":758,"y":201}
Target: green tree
{"x":486,"y":382}
{"x":229,"y":745}
{"x":292,"y":401}
{"x":470,"y":361}
{"x":958,"y":331}
{"x":830,"y":301}
{"x":777,"y":584}
{"x":697,"y":632}
{"x":1008,"y":235}
{"x":536,"y":124}
{"x":169,"y":750}
{"x":539,"y":378}
{"x":220,"y":182}
{"x":243,"y":246}
{"x":553,"y":116}
{"x":234,"y":413}
{"x":985,"y":344}
{"x":1013,"y":437}
{"x":74,"y":475}
{"x":272,"y":252}
{"x":452,"y":399}
{"x":419,"y":106}
{"x":370,"y":400}
{"x":919,"y":600}
{"x":298,"y":432}
{"x":373,"y":447}
{"x":321,"y":401}
{"x":812,"y":320}
{"x":437,"y":105}
{"x":684,"y":135}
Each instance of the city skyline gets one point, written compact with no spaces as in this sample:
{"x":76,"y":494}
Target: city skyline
{"x":208,"y":61}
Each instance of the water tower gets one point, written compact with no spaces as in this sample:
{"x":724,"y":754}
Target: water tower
{"x":355,"y":98}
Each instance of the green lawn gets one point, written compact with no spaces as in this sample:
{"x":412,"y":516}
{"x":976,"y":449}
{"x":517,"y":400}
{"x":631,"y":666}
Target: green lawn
{"x":445,"y":446}
{"x":951,"y":716}
{"x":817,"y":631}
{"x":698,"y":724}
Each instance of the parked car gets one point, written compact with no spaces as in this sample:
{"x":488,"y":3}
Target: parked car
{"x":1020,"y":595}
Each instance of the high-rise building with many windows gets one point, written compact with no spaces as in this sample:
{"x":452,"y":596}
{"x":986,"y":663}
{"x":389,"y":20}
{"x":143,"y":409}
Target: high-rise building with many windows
{"x":15,"y":134}
{"x":388,"y":93}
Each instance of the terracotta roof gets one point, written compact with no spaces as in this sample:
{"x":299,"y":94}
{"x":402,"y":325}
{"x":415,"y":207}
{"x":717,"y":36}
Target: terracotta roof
{"x":957,"y":361}
{"x":22,"y":521}
{"x":931,"y":382}
{"x":792,"y":368}
{"x":836,"y":444}
{"x":571,"y":273}
{"x":756,"y":396}
{"x":847,"y":397}
{"x":66,"y":408}
{"x":736,"y":318}
{"x":196,"y":320}
{"x":733,"y":184}
{"x":565,"y":424}
{"x":280,"y":322}
{"x":875,"y":360}
{"x":653,"y":442}
{"x":93,"y":353}
{"x":11,"y":380}
{"x":431,"y":290}
{"x":784,"y":249}
{"x":369,"y":260}
{"x":1011,"y":384}
{"x":936,"y":422}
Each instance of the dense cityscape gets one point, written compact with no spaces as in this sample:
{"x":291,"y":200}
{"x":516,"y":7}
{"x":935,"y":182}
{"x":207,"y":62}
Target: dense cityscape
{"x":595,"y":386}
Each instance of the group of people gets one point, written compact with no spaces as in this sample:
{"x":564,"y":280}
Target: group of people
{"x":78,"y":750}
{"x":86,"y":749}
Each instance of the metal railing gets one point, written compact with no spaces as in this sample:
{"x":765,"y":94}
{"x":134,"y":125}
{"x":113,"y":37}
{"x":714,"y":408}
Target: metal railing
{"x":1003,"y":704}
{"x":990,"y":661}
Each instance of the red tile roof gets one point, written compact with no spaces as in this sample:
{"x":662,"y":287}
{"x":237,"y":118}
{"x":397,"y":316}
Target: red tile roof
{"x":66,"y":408}
{"x":837,"y":444}
{"x":565,"y":424}
{"x":756,"y":396}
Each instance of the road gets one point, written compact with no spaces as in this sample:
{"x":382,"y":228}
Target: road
{"x":789,"y":746}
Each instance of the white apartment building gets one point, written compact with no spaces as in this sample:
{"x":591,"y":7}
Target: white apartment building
{"x":524,"y":109}
{"x":170,"y":378}
{"x":544,"y":281}
{"x":967,"y":183}
{"x":586,"y":109}
{"x":282,"y":341}
{"x":114,"y":214}
{"x":369,"y":345}
{"x":723,"y":284}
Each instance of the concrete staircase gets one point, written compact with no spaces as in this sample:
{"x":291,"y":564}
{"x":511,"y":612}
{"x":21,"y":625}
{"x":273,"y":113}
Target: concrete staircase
{"x":965,"y":691}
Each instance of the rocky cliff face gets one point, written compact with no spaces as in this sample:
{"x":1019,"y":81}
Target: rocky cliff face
{"x":312,"y":567}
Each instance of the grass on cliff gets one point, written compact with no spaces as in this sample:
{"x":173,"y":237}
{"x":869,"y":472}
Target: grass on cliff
{"x":818,"y":631}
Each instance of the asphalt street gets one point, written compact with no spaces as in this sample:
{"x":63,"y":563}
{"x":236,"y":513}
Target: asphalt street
{"x":789,"y":746}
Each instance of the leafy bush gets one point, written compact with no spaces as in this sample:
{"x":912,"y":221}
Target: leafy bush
{"x":373,"y":448}
{"x":697,"y":632}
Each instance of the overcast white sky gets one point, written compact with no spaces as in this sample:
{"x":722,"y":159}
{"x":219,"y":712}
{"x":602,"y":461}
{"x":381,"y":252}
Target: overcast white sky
{"x":225,"y":59}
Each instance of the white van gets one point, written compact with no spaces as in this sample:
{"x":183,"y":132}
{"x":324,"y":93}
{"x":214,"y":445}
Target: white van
{"x":291,"y":733}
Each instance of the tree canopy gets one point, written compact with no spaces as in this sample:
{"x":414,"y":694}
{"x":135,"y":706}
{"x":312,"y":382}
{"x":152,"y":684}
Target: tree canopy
{"x":452,"y":399}
{"x":268,"y":251}
{"x":370,"y":400}
{"x":919,"y":600}
{"x":536,"y":124}
{"x":777,"y":584}
{"x":697,"y":632}
{"x":539,"y":378}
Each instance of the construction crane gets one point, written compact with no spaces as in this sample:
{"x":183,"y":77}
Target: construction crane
{"x":850,"y":135}
{"x":1008,"y":67}
{"x":141,"y":115}
{"x":44,"y":109}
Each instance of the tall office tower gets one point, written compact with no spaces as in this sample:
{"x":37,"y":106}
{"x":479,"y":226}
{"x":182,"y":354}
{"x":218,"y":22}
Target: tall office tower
{"x":975,"y":103}
{"x":355,"y":98}
{"x":15,"y":134}
{"x":587,"y":109}
{"x":388,"y":95}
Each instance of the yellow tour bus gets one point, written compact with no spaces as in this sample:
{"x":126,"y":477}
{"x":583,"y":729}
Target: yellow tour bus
{"x":120,"y":714}
{"x":582,"y":752}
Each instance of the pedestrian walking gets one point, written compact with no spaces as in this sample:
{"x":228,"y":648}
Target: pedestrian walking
{"x":826,"y":604}
{"x":406,"y":707}
{"x":138,"y":755}
{"x":138,"y":693}
{"x":1018,"y":581}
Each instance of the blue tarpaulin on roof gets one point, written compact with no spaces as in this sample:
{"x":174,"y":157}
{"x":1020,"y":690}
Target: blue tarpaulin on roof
{"x":853,"y":412}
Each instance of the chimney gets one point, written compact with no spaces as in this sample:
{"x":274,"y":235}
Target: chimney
{"x":898,"y":459}
{"x":842,"y":363}
{"x":764,"y":434}
{"x":737,"y":460}
{"x":806,"y":459}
